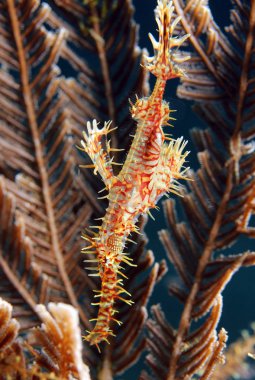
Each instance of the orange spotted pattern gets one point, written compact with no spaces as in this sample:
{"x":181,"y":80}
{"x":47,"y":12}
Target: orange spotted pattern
{"x":152,"y":168}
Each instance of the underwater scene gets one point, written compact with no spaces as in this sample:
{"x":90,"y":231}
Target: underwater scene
{"x":127,"y":189}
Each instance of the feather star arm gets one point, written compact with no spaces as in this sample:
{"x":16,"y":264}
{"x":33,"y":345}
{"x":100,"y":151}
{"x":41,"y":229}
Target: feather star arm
{"x":151,"y":169}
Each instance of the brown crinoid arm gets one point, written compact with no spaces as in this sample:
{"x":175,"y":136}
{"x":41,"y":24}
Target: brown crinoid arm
{"x":34,"y":135}
{"x":208,"y":217}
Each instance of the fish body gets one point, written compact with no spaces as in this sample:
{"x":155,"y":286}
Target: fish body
{"x":151,"y":169}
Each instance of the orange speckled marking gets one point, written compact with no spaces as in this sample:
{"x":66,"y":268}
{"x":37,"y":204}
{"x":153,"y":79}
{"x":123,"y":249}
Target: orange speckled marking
{"x":151,"y":169}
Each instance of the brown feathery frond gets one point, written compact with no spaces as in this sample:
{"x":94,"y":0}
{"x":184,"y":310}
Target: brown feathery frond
{"x":10,"y":351}
{"x":216,"y":273}
{"x":59,"y":342}
{"x":244,"y":224}
{"x":217,"y":357}
{"x":198,"y":348}
{"x":43,"y":205}
{"x":55,"y":348}
{"x":22,"y":283}
{"x":236,"y":355}
{"x":107,"y":33}
{"x":102,"y":49}
{"x":219,"y":79}
{"x":26,"y":91}
{"x":203,"y":81}
{"x":34,"y":137}
{"x":46,"y":188}
{"x":130,"y":341}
